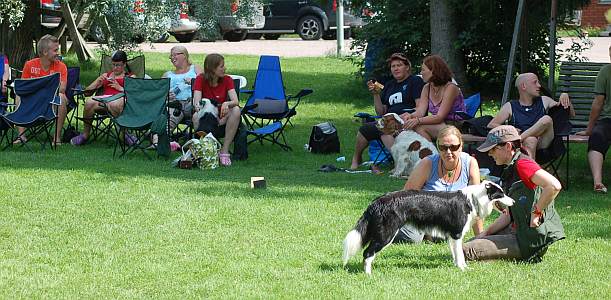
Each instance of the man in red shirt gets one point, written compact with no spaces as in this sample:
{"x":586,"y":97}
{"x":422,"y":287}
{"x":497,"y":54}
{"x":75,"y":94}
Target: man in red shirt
{"x":48,"y":63}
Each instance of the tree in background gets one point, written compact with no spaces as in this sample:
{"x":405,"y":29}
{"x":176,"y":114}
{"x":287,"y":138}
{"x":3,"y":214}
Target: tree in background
{"x":124,"y":22}
{"x":473,"y":35}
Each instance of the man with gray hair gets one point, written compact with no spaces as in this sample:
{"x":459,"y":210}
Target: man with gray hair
{"x":529,"y":114}
{"x":47,"y":63}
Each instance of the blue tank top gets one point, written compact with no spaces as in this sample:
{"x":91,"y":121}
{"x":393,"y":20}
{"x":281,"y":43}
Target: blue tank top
{"x":523,"y":117}
{"x":434,"y":183}
{"x":180,"y":86}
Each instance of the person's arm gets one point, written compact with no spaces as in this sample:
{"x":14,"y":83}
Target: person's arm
{"x":419,"y":175}
{"x":597,"y":106}
{"x":233,"y":97}
{"x":501,"y":222}
{"x":380,"y":108}
{"x":565,"y":101}
{"x":503,"y":115}
{"x":96,"y":84}
{"x":422,"y":107}
{"x":5,"y":77}
{"x":550,"y":188}
{"x":449,"y":96}
{"x":474,"y":172}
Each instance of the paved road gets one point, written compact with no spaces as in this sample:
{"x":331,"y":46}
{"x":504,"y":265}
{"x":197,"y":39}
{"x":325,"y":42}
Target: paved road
{"x":287,"y":47}
{"x":295,"y":47}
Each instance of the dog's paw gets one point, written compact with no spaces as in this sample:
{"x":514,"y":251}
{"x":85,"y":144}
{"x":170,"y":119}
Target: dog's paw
{"x":463,"y":267}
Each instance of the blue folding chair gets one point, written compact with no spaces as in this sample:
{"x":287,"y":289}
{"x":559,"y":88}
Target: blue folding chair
{"x":472,"y":105}
{"x":268,"y":104}
{"x":35,"y":111}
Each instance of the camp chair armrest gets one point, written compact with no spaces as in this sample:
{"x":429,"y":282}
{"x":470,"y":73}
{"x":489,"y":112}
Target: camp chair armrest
{"x":464,"y":115}
{"x":108,"y":99}
{"x":249,"y":107}
{"x":302,"y":93}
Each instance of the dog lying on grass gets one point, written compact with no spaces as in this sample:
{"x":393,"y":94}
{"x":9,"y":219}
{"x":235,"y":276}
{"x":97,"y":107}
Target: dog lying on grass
{"x":442,"y":214}
{"x":409,"y":147}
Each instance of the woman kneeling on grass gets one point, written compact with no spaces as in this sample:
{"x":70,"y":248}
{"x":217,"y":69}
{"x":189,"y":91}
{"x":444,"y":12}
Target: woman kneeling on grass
{"x":450,"y":170}
{"x":213,"y":84}
{"x":526,"y":229}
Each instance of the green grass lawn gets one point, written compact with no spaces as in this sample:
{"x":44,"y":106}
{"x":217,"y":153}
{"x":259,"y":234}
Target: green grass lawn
{"x":76,"y":223}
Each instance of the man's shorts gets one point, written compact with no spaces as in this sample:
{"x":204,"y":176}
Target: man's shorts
{"x":601,"y":136}
{"x":370,"y":131}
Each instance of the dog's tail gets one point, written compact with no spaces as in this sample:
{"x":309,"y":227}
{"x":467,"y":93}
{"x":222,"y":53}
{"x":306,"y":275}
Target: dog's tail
{"x":354,"y":240}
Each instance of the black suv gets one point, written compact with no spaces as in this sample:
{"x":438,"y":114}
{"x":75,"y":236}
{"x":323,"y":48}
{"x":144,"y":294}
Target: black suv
{"x":309,"y":18}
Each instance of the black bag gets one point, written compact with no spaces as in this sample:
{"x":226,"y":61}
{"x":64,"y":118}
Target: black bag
{"x":69,"y":133}
{"x":324,"y":139}
{"x":477,"y":126}
{"x":240,"y":144}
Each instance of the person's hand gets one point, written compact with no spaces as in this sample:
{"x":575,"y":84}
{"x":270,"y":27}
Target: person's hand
{"x":115,"y":85}
{"x":224,"y":109}
{"x":411,"y":123}
{"x":405,"y":116}
{"x":372,"y":87}
{"x":188,"y":80}
{"x":564,"y":100}
{"x":584,"y":132}
{"x":535,"y":220}
{"x":3,"y":87}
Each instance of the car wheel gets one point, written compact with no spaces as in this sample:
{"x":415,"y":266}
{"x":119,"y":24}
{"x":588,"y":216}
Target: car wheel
{"x":254,"y":36}
{"x":184,"y":37}
{"x":235,"y":35}
{"x":97,"y":34}
{"x":163,"y":38}
{"x":271,"y":36}
{"x":309,"y":28}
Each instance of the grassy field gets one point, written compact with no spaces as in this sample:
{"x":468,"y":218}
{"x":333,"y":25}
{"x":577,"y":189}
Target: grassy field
{"x":76,"y":223}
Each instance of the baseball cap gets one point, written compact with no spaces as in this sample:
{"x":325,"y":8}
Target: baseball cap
{"x":498,"y":135}
{"x":399,"y":56}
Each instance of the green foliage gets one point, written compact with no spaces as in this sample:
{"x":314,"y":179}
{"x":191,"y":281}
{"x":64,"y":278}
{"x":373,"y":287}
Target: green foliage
{"x":485,"y":30}
{"x":76,"y":223}
{"x":13,"y":10}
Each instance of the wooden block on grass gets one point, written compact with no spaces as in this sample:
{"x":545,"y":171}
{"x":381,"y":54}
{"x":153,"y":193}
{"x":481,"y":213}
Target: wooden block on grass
{"x":257,"y":182}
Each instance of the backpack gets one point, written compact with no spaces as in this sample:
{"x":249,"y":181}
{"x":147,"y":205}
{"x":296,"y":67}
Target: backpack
{"x":324,"y":139}
{"x":477,"y":126}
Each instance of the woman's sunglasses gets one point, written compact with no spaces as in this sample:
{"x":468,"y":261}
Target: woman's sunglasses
{"x":444,"y":148}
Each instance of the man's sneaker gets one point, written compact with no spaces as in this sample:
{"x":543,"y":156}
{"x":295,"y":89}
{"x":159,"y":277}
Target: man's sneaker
{"x":78,"y":140}
{"x":130,"y":140}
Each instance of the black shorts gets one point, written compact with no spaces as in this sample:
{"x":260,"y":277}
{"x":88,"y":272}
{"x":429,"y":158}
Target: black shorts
{"x":370,"y":131}
{"x":601,"y":136}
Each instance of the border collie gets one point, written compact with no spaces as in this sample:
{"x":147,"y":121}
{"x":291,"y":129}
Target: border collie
{"x":443,"y":214}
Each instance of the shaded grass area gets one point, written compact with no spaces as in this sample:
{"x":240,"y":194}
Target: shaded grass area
{"x":77,"y":223}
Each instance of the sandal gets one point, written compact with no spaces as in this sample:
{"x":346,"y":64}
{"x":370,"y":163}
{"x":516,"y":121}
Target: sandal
{"x":225,"y":159}
{"x":600,"y":188}
{"x":20,"y":140}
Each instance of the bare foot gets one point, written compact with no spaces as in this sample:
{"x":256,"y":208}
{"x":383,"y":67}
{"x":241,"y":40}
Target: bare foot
{"x":355,"y":165}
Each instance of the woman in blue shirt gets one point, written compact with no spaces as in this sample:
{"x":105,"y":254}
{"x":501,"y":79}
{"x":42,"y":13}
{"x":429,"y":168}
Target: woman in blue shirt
{"x":450,"y":170}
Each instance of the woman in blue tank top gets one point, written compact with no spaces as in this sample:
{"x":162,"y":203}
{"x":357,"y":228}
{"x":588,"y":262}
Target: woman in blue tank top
{"x":450,"y":170}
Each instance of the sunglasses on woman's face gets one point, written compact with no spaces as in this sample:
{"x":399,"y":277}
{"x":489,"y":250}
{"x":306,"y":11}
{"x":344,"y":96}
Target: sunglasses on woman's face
{"x":444,"y":148}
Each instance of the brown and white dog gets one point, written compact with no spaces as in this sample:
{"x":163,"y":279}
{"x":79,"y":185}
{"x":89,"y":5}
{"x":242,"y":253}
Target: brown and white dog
{"x":409,"y":147}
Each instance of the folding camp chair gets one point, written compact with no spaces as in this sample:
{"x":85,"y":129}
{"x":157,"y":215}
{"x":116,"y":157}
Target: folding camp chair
{"x":35,"y":112}
{"x":135,"y":65}
{"x":72,"y":87}
{"x":472,"y":105}
{"x":551,"y":158}
{"x":146,"y":108}
{"x":267,"y":112}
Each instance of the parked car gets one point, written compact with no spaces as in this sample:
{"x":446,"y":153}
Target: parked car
{"x":231,"y":27}
{"x":182,"y":27}
{"x":308,"y":18}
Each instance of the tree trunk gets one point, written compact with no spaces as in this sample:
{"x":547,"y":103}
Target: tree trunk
{"x":18,"y":44}
{"x":443,"y":34}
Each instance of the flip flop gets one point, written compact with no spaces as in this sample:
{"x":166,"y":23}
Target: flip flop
{"x":600,"y":188}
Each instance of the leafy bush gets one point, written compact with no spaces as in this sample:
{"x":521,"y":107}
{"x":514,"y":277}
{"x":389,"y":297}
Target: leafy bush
{"x":485,"y":30}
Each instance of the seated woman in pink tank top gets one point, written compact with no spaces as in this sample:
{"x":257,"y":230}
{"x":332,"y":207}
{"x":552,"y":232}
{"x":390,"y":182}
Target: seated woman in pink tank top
{"x":439,"y":101}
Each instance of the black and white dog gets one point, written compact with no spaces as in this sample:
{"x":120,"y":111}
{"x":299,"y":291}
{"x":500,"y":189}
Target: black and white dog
{"x":442,"y":214}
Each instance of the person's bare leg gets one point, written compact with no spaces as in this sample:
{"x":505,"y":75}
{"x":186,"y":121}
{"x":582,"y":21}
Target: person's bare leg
{"x":359,"y":147}
{"x":21,"y":130}
{"x":61,"y":118}
{"x":530,"y":143}
{"x":596,"y":160}
{"x":91,"y":106}
{"x":478,"y":226}
{"x":231,"y":127}
{"x":388,"y":141}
